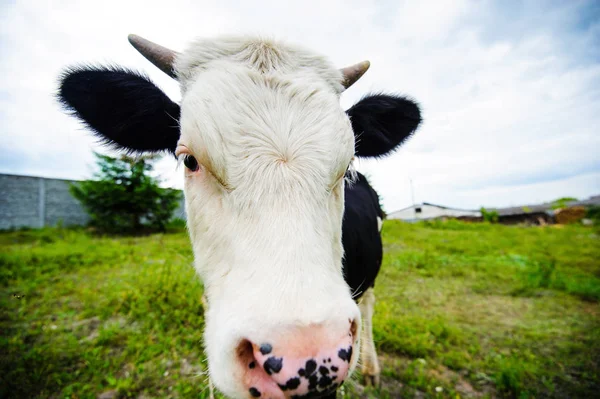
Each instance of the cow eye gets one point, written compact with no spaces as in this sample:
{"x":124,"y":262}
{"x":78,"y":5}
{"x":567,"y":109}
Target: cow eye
{"x":191,"y":163}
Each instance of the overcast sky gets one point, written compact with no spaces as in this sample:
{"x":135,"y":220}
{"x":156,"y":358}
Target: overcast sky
{"x":510,"y":93}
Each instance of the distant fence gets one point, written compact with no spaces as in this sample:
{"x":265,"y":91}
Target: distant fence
{"x":29,"y":201}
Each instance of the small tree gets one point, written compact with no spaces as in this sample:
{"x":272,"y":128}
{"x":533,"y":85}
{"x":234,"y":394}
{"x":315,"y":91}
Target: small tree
{"x":562,"y":202}
{"x":125,"y":198}
{"x":489,"y":216}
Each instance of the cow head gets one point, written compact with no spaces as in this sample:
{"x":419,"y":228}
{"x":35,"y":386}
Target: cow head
{"x":266,"y":147}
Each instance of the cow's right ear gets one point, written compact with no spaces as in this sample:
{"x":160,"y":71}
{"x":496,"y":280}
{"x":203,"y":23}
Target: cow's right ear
{"x":122,"y":107}
{"x":382,"y":122}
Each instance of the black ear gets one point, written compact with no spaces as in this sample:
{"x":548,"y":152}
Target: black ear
{"x":122,"y":107}
{"x":382,"y":122}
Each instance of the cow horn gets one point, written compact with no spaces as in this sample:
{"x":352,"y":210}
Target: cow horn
{"x":160,"y":56}
{"x":354,"y":72}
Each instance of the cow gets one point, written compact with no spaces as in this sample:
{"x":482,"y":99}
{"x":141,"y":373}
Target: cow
{"x":285,"y":234}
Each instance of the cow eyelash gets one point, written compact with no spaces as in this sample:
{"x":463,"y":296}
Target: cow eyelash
{"x":190,"y":161}
{"x":350,"y":175}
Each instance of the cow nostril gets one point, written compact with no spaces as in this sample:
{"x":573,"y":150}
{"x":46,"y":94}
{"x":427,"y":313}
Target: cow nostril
{"x":245,"y":355}
{"x":353,"y":329}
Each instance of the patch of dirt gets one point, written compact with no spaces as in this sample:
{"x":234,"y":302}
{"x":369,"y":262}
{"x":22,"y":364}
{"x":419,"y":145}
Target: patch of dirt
{"x":391,"y":387}
{"x":108,"y":394}
{"x":187,"y":368}
{"x":126,"y":371}
{"x":93,"y":322}
{"x":88,"y":329}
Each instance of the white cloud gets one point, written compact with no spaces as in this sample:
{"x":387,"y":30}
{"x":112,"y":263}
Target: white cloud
{"x":509,"y":92}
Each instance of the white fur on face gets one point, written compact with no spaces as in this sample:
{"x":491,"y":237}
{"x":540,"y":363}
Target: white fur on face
{"x":265,"y":209}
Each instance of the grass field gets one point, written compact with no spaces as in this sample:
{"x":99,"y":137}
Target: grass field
{"x":464,"y":310}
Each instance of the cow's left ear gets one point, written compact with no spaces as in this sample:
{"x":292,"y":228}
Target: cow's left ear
{"x":122,"y":107}
{"x":382,"y":122}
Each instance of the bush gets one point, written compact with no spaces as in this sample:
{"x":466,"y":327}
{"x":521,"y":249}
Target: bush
{"x":177,"y":224}
{"x":125,"y":198}
{"x":489,"y":216}
{"x":562,"y":202}
{"x":593,"y":212}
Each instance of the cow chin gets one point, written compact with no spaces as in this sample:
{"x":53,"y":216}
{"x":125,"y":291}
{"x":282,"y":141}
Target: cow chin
{"x":266,"y":342}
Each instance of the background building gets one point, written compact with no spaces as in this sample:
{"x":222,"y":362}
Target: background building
{"x":426,"y":211}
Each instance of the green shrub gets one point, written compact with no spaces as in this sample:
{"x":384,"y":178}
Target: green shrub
{"x":125,"y":198}
{"x":562,"y":202}
{"x":177,"y":223}
{"x":489,"y":216}
{"x":593,"y":212}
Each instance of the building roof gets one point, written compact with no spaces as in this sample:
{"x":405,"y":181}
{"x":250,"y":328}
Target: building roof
{"x":437,"y":206}
{"x":514,"y":210}
{"x":545,"y":207}
{"x":524,"y":209}
{"x":593,"y":200}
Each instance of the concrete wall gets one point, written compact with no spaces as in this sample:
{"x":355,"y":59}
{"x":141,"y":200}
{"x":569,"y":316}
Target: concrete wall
{"x":20,"y":203}
{"x":61,"y":205}
{"x":28,"y":201}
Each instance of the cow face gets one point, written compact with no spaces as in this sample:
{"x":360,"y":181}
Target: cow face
{"x":265,"y":148}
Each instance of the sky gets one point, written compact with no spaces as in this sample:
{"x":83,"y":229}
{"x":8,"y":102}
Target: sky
{"x":509,"y":90}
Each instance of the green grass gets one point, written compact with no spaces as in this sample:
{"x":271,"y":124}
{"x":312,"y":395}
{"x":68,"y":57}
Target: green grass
{"x":463,"y":310}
